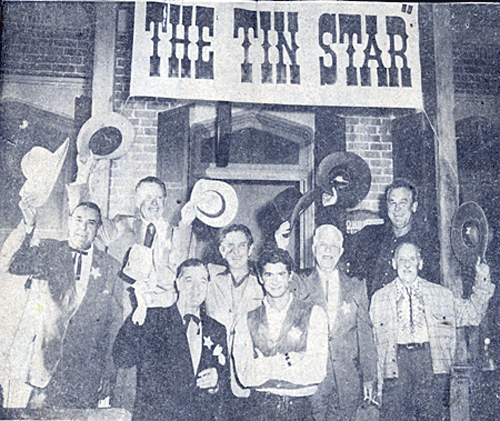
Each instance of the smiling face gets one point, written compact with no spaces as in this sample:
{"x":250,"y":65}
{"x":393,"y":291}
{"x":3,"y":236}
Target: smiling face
{"x":407,"y":263}
{"x":327,"y":247}
{"x":192,"y":284}
{"x":275,"y":279}
{"x":235,"y":249}
{"x":401,"y":207}
{"x":82,"y":226}
{"x":151,"y":201}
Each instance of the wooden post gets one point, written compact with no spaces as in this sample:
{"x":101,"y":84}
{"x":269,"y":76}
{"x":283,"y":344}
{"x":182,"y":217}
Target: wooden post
{"x":448,"y":193}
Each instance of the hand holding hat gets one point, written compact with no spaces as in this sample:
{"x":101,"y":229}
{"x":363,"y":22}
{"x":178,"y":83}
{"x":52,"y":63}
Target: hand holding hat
{"x":215,"y":201}
{"x":41,"y":169}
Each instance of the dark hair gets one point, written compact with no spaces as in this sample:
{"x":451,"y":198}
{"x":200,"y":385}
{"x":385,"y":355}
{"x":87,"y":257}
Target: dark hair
{"x":90,"y":205}
{"x":154,"y":180}
{"x":236,"y":228}
{"x":274,"y":255}
{"x":398,"y":183}
{"x":189,"y":263}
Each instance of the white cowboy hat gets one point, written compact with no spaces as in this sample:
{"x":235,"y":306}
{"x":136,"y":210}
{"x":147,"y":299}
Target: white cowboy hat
{"x":41,"y":168}
{"x":216,"y":202}
{"x":107,"y":135}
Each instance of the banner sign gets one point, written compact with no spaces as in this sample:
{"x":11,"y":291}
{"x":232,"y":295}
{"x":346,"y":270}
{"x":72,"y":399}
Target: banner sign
{"x":302,"y":53}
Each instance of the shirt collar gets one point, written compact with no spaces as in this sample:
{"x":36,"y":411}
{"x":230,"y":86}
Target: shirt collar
{"x":401,"y":287}
{"x":251,"y":271}
{"x":268,"y":306}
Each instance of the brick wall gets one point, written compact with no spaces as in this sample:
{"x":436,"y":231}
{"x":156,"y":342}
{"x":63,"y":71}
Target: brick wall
{"x":370,"y":138}
{"x":51,"y":46}
{"x":140,"y":162}
{"x":476,"y":68}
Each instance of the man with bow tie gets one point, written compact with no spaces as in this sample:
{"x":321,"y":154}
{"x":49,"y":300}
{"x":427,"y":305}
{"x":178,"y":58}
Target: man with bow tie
{"x":63,"y":349}
{"x":180,"y":353}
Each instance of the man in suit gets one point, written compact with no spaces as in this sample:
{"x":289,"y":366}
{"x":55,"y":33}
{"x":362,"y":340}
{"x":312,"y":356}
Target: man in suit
{"x":152,"y":247}
{"x":64,"y":351}
{"x":415,"y":325}
{"x":369,"y":252}
{"x":180,"y":353}
{"x":281,"y":347}
{"x":352,"y":354}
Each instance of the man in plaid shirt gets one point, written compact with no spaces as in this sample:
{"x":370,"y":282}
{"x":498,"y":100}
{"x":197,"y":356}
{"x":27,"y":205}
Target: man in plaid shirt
{"x":415,"y":324}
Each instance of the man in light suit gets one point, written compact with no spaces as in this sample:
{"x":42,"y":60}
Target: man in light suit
{"x":350,"y":330}
{"x":233,"y":291}
{"x":181,"y":355}
{"x":415,"y":325}
{"x":64,"y":351}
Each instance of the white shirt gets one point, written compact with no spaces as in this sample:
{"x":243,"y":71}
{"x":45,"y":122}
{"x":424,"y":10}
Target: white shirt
{"x":331,"y":287}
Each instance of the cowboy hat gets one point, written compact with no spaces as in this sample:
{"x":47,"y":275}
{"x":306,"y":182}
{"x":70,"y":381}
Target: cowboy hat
{"x":216,"y":202}
{"x":348,"y":173}
{"x":41,"y":169}
{"x":469,"y":233}
{"x":107,"y":135}
{"x":278,"y":210}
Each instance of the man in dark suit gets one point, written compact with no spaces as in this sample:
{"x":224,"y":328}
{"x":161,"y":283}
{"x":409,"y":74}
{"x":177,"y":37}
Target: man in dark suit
{"x":64,"y":351}
{"x":369,"y":252}
{"x":180,"y":353}
{"x":352,"y":358}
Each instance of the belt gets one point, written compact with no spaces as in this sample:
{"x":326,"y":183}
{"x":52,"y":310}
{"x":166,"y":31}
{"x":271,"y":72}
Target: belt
{"x":414,"y":345}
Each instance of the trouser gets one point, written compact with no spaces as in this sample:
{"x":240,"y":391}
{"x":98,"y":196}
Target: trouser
{"x":417,"y":393}
{"x":326,"y":402}
{"x":272,"y":407}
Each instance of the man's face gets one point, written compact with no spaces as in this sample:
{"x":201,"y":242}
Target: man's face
{"x":327,"y":248}
{"x":407,"y":262}
{"x":192,"y":285}
{"x":82,"y":227}
{"x":400,"y":207}
{"x":275,"y":279}
{"x":235,"y":249}
{"x":150,"y":201}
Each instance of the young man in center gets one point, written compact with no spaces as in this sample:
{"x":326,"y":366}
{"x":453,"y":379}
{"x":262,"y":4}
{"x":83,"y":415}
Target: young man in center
{"x":280,"y":349}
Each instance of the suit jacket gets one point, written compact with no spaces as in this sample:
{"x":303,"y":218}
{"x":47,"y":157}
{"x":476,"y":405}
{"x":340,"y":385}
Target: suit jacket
{"x":79,"y":354}
{"x":166,"y":383}
{"x":351,"y":343}
{"x":444,"y":313}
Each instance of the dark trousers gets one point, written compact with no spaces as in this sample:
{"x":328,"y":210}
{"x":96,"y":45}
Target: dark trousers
{"x":271,"y":407}
{"x":417,"y":394}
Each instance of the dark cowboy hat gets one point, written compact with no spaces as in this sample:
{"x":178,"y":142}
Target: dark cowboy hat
{"x":278,"y":210}
{"x":469,"y":233}
{"x":107,"y":135}
{"x":348,"y":173}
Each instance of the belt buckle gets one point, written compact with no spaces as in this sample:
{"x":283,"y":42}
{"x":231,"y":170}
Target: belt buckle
{"x":411,"y":346}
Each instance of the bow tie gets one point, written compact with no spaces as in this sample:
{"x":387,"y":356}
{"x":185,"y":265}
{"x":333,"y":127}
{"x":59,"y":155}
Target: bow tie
{"x":188,"y":317}
{"x":77,"y":258}
{"x":81,"y":252}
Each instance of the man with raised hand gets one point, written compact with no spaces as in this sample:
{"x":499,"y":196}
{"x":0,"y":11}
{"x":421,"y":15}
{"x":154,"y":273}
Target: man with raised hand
{"x":281,"y":347}
{"x":352,"y":357}
{"x":74,"y":310}
{"x":415,"y":325}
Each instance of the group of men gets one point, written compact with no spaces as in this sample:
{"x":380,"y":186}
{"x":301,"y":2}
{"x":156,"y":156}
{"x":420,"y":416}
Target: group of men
{"x":247,"y":340}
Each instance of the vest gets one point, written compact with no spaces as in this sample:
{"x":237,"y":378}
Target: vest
{"x":293,"y":335}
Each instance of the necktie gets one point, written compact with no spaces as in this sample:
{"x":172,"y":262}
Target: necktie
{"x":188,"y":317}
{"x":412,"y":327}
{"x":77,"y":258}
{"x":150,"y":235}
